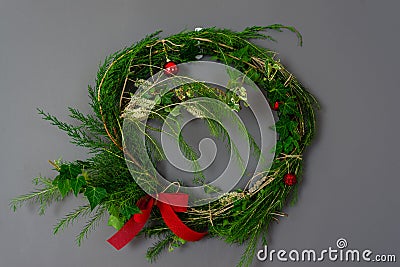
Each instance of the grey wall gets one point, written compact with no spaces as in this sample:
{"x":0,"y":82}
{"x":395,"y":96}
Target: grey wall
{"x":50,"y":51}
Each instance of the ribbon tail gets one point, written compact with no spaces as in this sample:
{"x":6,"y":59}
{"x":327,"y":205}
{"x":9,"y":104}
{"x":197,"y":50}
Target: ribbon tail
{"x":121,"y":238}
{"x":133,"y":226}
{"x":176,"y":225}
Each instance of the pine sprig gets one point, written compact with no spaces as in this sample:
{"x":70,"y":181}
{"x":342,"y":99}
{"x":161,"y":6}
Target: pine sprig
{"x":71,"y":217}
{"x":256,"y":32}
{"x":88,"y":122}
{"x":91,"y":225}
{"x":78,"y":135}
{"x":158,"y":247}
{"x":250,"y":251}
{"x":45,"y":194}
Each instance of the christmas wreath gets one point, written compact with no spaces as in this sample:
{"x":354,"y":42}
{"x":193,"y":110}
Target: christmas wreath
{"x":154,"y":83}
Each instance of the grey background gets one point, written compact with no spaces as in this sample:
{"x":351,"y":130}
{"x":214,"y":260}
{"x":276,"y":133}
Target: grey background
{"x":50,"y":50}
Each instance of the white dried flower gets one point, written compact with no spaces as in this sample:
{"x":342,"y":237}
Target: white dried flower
{"x":138,"y":108}
{"x":195,"y":111}
{"x":143,"y":83}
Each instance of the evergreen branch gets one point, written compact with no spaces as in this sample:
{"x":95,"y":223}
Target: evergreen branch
{"x":276,"y":27}
{"x":89,"y":122}
{"x":217,"y":130}
{"x":153,"y":147}
{"x":248,"y":255}
{"x":42,"y":196}
{"x":79,"y":137}
{"x":91,"y":225}
{"x":192,"y":155}
{"x":161,"y":245}
{"x":71,"y":217}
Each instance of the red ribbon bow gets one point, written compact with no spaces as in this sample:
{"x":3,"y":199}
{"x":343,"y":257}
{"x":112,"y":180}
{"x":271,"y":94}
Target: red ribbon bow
{"x":168,"y":212}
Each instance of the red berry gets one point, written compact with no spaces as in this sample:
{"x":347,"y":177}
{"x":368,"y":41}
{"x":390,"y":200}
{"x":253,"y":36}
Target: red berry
{"x":275,"y":106}
{"x":290,"y":179}
{"x":170,"y":68}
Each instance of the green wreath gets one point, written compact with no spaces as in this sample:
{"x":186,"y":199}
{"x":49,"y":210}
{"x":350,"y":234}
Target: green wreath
{"x":240,"y":216}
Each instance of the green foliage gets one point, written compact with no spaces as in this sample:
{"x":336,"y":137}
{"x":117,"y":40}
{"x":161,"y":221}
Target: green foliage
{"x":67,"y":172}
{"x":158,"y":247}
{"x":79,"y":134}
{"x":255,"y":32}
{"x":95,"y":195}
{"x":77,"y":184}
{"x":45,"y":193}
{"x":71,"y":217}
{"x":91,"y":224}
{"x":128,"y":210}
{"x":64,"y":186}
{"x":167,"y":241}
{"x":115,"y":222}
